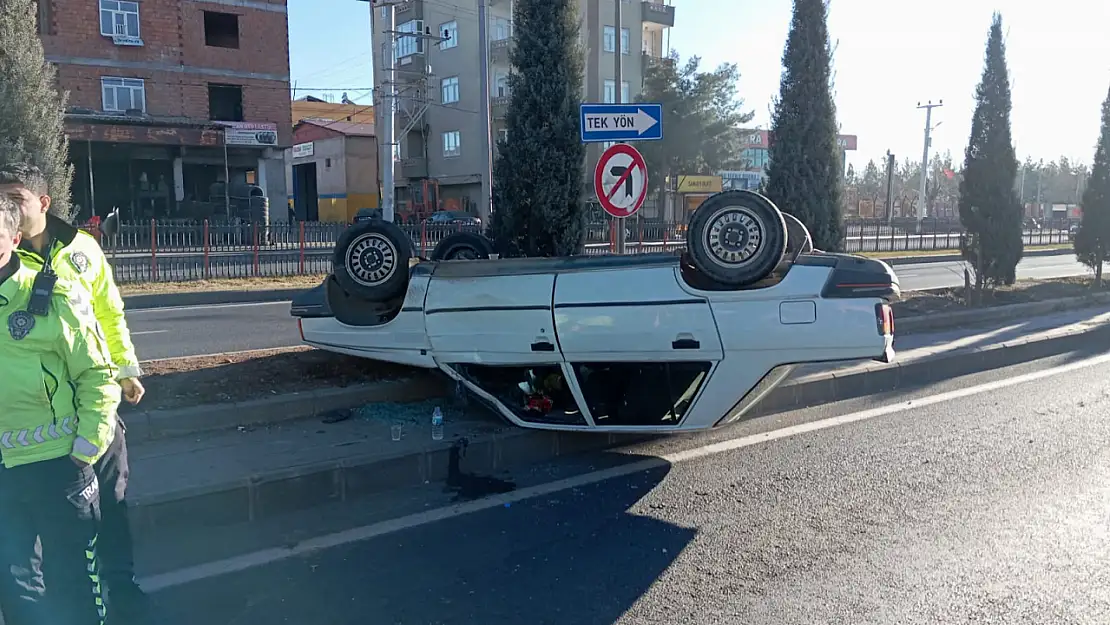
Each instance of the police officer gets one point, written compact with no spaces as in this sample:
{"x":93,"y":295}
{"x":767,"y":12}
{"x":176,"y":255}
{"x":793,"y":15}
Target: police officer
{"x":59,"y":392}
{"x":75,"y":255}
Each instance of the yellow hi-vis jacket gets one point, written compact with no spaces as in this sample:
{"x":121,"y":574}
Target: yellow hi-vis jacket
{"x":76,"y":256}
{"x":58,"y":389}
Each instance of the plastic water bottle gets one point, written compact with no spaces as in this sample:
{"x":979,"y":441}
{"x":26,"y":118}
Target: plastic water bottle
{"x":437,"y":424}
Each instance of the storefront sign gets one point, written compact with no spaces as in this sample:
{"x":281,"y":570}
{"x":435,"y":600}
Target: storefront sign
{"x":302,"y":150}
{"x":250,"y":133}
{"x":699,"y":184}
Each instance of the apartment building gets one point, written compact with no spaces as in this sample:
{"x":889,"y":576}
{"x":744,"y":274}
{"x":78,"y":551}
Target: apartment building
{"x":169,"y":99}
{"x":439,"y":129}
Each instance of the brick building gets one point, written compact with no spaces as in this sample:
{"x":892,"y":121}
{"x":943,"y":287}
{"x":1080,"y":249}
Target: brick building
{"x":170,"y":98}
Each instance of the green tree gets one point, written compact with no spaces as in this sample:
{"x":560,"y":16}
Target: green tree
{"x":32,"y":112}
{"x":702,"y":116}
{"x":989,"y":207}
{"x":539,"y":171}
{"x":871,"y":183}
{"x":1092,"y":242}
{"x":804,"y":176}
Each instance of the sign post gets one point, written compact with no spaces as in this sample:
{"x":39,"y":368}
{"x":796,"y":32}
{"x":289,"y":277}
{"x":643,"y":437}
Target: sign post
{"x":620,"y":181}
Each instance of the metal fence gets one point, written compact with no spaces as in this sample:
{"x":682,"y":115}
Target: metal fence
{"x":180,"y":251}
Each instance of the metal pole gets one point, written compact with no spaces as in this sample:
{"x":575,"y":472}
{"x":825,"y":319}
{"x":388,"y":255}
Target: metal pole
{"x":618,"y":74}
{"x":485,"y":208}
{"x":889,"y":187}
{"x":923,"y":212}
{"x":92,"y":186}
{"x":388,"y":185}
{"x":227,"y":180}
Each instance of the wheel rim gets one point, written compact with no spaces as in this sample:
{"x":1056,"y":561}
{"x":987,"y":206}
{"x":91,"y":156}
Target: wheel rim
{"x":734,"y":236}
{"x":371,"y":259}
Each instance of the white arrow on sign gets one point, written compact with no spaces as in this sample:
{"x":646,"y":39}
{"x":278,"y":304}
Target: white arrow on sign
{"x":640,"y":122}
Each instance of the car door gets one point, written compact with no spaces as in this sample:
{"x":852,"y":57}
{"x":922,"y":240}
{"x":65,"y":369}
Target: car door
{"x":638,"y":346}
{"x":495,"y":334}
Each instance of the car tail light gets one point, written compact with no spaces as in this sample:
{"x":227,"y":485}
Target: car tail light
{"x":884,"y":319}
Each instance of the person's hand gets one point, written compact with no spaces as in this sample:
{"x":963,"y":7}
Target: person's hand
{"x":133,"y":390}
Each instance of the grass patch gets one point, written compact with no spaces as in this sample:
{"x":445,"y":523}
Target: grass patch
{"x":225,"y":284}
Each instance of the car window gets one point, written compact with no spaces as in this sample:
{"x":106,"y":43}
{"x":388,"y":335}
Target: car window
{"x":640,"y":393}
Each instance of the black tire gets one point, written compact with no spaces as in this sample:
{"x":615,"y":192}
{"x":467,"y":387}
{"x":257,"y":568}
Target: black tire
{"x":736,"y":238}
{"x":463,"y":246}
{"x":371,"y":260}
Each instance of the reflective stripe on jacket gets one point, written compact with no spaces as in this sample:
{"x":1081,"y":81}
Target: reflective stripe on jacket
{"x":58,"y":394}
{"x":76,"y":256}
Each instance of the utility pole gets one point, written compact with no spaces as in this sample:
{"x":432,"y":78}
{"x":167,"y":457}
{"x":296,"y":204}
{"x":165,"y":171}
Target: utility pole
{"x":391,"y":98}
{"x":485,"y":209}
{"x":929,"y":106}
{"x":618,"y":75}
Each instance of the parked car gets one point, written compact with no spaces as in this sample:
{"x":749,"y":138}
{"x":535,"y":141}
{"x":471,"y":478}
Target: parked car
{"x":646,"y":343}
{"x":454,"y":218}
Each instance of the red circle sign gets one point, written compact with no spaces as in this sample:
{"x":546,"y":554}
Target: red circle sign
{"x":620,"y":180}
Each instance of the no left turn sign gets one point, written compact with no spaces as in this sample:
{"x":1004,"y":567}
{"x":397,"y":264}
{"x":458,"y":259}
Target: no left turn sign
{"x":620,"y":180}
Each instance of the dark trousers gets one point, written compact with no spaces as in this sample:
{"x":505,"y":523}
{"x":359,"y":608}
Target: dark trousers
{"x":48,"y":514}
{"x":116,"y":551}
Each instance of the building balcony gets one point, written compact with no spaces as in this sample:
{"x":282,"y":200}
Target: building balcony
{"x":414,"y":168}
{"x":656,"y":13}
{"x":412,"y":68}
{"x":499,"y":107}
{"x":499,"y":50}
{"x":650,"y":60}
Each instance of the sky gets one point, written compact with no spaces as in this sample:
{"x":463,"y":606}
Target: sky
{"x":890,"y":55}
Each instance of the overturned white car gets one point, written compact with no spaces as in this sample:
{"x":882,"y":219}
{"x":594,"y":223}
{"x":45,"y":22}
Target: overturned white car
{"x":652,"y":342}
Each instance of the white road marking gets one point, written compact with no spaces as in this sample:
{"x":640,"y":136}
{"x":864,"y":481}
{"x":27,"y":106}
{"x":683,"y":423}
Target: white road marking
{"x":244,"y":562}
{"x":135,"y":311}
{"x":149,"y":332}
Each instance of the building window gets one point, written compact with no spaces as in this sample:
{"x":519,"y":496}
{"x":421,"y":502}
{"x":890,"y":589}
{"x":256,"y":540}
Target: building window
{"x":451,"y":146}
{"x":221,"y":30}
{"x":503,"y":134}
{"x":625,"y":38}
{"x":450,"y":88}
{"x":450,"y":30}
{"x":609,"y":39}
{"x":407,"y":46}
{"x":609,"y":92}
{"x":45,"y":17}
{"x":119,"y":18}
{"x":225,"y":102}
{"x":502,"y":28}
{"x":123,"y":94}
{"x":501,"y":85}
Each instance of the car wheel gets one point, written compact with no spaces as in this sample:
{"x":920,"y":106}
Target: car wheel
{"x":736,"y":238}
{"x":463,"y":246}
{"x":371,"y":260}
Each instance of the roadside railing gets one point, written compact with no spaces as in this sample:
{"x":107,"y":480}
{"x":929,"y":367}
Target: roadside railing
{"x":169,"y":250}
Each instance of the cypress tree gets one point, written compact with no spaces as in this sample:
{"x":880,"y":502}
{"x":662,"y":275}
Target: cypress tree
{"x":539,"y":171}
{"x":989,"y":206}
{"x":32,"y":112}
{"x":1092,"y":242}
{"x":804,"y":175}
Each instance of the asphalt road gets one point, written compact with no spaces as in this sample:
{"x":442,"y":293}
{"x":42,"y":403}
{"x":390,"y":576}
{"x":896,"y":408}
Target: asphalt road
{"x":981,"y":501}
{"x":173,"y":332}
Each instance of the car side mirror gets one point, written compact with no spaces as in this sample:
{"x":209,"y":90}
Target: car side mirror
{"x":110,"y":225}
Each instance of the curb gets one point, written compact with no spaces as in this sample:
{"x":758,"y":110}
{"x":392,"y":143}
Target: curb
{"x":207,"y":298}
{"x":309,"y":486}
{"x":948,"y":258}
{"x":158,"y":424}
{"x":964,"y":318}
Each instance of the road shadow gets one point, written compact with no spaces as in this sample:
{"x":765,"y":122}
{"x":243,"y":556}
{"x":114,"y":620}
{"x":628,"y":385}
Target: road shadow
{"x":576,"y":556}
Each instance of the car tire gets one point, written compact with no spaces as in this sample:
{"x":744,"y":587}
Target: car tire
{"x":371,"y":260}
{"x":736,"y":238}
{"x":463,"y":246}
